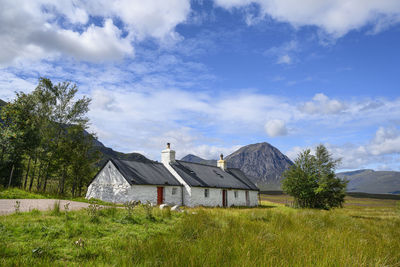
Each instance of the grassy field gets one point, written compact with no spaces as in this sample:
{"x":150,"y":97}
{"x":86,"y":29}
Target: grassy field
{"x":363,"y":233}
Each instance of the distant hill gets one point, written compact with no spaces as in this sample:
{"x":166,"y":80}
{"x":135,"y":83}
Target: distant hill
{"x":261,"y":162}
{"x":108,"y":153}
{"x":374,"y":182}
{"x":2,"y":103}
{"x":196,"y":159}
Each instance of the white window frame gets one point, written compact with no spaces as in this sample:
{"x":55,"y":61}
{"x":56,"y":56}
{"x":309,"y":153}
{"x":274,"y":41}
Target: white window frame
{"x":174,"y":190}
{"x":236,"y":193}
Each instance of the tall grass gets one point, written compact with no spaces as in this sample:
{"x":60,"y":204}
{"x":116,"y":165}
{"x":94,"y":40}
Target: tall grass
{"x":272,"y":235}
{"x":273,"y":238}
{"x":56,"y":209}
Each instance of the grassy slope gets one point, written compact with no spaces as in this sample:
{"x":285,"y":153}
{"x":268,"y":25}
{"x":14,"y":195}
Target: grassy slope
{"x":271,"y":235}
{"x":16,"y":193}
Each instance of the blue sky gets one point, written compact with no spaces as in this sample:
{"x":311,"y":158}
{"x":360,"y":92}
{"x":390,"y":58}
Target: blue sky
{"x":212,"y":76}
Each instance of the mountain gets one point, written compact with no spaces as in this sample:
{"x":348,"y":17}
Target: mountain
{"x":261,"y":162}
{"x":373,"y":182}
{"x":196,"y":159}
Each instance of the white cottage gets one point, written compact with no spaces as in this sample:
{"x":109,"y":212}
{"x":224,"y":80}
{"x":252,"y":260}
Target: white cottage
{"x":173,"y":182}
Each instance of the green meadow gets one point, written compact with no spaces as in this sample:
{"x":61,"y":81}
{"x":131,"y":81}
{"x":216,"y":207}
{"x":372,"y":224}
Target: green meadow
{"x":366,"y":232}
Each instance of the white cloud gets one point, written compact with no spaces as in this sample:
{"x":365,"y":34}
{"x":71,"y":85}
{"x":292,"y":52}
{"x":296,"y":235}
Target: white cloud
{"x":283,"y":53}
{"x":10,"y":83}
{"x":275,"y":128}
{"x":149,"y":18}
{"x":386,"y":141}
{"x":96,"y":43}
{"x":34,"y":29}
{"x":335,"y":17}
{"x":285,"y":59}
{"x":321,"y":104}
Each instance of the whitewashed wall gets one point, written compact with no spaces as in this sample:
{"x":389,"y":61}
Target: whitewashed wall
{"x":170,"y":199}
{"x":253,"y":198}
{"x":197,"y":198}
{"x":148,"y":193}
{"x":239,"y":201}
{"x":111,"y":186}
{"x":215,"y":197}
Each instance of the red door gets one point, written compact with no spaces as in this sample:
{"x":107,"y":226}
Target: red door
{"x":160,"y":195}
{"x":224,"y":199}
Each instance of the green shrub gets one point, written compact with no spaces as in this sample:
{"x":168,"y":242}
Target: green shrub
{"x":148,"y":208}
{"x":93,"y":211}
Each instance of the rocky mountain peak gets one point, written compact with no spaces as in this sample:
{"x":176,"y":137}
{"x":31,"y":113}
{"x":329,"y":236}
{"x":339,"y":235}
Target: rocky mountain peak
{"x":261,"y":161}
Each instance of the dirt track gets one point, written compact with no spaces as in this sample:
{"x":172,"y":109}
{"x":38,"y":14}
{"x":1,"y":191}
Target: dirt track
{"x":8,"y":206}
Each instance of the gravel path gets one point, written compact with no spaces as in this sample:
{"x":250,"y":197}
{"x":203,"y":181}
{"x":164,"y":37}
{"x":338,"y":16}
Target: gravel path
{"x":7,"y":206}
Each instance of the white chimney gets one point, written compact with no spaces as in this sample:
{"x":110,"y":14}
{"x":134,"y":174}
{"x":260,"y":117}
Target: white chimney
{"x":168,"y":155}
{"x":221,"y":163}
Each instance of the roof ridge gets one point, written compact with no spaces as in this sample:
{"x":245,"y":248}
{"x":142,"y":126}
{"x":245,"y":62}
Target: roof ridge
{"x":138,"y":161}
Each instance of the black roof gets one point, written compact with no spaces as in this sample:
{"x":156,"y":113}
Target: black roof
{"x":242,"y":177}
{"x":201,"y":175}
{"x":145,"y":173}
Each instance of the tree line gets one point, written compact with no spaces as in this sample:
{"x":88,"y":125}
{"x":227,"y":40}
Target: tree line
{"x":44,"y":145}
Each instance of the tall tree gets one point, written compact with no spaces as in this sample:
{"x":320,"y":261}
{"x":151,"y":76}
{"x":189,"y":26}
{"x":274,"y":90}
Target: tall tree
{"x":312,"y":180}
{"x":19,"y":134}
{"x":64,"y":111}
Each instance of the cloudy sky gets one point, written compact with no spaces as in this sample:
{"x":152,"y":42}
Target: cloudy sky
{"x":211,"y":76}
